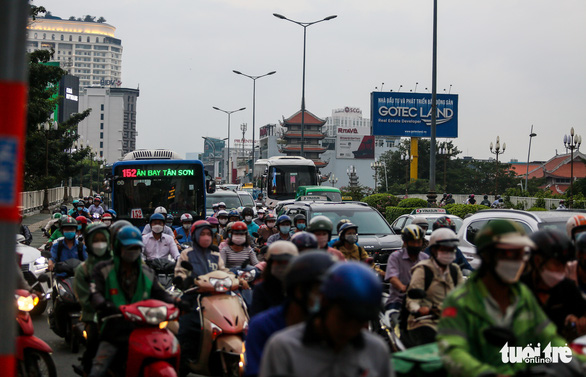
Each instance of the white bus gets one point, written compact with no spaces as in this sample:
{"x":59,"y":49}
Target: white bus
{"x":279,"y":177}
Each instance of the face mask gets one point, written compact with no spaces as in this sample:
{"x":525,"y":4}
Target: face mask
{"x":80,"y":209}
{"x":79,"y":227}
{"x":186,"y":226}
{"x":300,"y":226}
{"x":130,"y":255}
{"x":285,"y":229}
{"x":248,"y":218}
{"x":509,"y":271}
{"x":351,"y":238}
{"x":158,"y":228}
{"x":223,"y":221}
{"x":322,"y":241}
{"x":107,"y":222}
{"x":413,"y":249}
{"x":551,"y":278}
{"x":239,"y":239}
{"x":69,"y":235}
{"x":214,"y":230}
{"x":261,"y":216}
{"x":100,"y":248}
{"x":445,"y":257}
{"x":316,"y":306}
{"x":278,"y":271}
{"x":204,"y":241}
{"x":270,"y":224}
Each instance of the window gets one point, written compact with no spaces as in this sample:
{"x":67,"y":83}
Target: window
{"x":101,"y":135}
{"x":101,"y":144}
{"x":101,"y":153}
{"x":88,"y":39}
{"x":101,"y":115}
{"x":53,"y":36}
{"x":101,"y":126}
{"x":70,"y":38}
{"x":36,"y":36}
{"x":79,"y":38}
{"x":102,"y":107}
{"x":62,"y":37}
{"x":44,"y":36}
{"x":474,"y":227}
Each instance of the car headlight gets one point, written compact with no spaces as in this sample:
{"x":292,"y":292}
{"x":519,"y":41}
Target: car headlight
{"x":153,"y":316}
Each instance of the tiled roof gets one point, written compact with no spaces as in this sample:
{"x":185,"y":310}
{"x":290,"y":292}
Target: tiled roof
{"x":308,"y":119}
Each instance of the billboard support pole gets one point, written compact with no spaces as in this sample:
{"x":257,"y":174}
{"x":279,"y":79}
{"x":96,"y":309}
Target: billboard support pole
{"x":431,"y":195}
{"x":414,"y":158}
{"x":13,"y":105}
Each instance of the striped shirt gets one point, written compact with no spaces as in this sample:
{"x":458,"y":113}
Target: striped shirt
{"x":234,"y":259}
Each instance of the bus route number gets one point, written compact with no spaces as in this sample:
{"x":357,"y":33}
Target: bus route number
{"x":129,"y":173}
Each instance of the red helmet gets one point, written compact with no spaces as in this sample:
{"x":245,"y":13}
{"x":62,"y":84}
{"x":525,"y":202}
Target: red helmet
{"x":239,"y":227}
{"x":200,"y":224}
{"x":213,"y":220}
{"x":81,"y":220}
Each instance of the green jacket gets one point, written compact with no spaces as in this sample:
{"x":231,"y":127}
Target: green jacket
{"x":462,"y":344}
{"x":81,"y":285}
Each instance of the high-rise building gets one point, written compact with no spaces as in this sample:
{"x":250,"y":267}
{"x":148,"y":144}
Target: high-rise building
{"x":87,"y":50}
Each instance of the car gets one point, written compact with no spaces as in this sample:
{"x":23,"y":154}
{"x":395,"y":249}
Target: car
{"x":374,"y":232}
{"x":531,"y":221}
{"x":247,"y":200}
{"x":229,"y":197}
{"x":430,"y":214}
{"x":318,"y":193}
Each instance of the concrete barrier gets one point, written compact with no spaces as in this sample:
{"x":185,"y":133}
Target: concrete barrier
{"x":32,"y":201}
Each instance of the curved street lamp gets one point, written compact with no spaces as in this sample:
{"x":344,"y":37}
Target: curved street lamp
{"x":497,"y":151}
{"x":572,"y":142}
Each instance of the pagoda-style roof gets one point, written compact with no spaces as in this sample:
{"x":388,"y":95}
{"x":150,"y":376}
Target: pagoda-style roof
{"x":320,"y":163}
{"x":306,"y":148}
{"x":309,"y":119}
{"x":306,"y":135}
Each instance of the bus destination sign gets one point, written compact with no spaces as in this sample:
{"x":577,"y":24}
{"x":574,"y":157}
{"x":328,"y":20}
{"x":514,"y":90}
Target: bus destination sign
{"x":139,"y":173}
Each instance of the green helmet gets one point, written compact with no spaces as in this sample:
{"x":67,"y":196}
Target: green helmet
{"x":56,"y":216}
{"x":320,"y":223}
{"x":67,"y":221}
{"x":93,"y":228}
{"x":505,"y":232}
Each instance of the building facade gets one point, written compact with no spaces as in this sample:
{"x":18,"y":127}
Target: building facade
{"x":87,"y":50}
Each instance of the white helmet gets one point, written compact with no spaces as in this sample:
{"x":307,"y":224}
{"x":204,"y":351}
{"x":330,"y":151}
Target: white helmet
{"x":186,"y":218}
{"x":161,"y":210}
{"x":443,"y":237}
{"x":222,"y":204}
{"x":576,"y":222}
{"x":222,"y":213}
{"x":420,"y":220}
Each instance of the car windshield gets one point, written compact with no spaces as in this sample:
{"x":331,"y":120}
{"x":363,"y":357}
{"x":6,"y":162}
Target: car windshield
{"x":368,"y":220}
{"x":246,"y":200}
{"x":232,"y":201}
{"x":430,"y":220}
{"x":554,"y":224}
{"x":332,"y":196}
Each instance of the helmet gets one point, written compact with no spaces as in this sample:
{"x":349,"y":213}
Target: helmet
{"x":215,"y":205}
{"x":161,"y":210}
{"x":115,"y":228}
{"x":345,"y":227}
{"x":298,"y":217}
{"x":551,"y":243}
{"x":75,"y":201}
{"x":81,"y":220}
{"x":222,"y":204}
{"x":170,"y":218}
{"x":270,"y":217}
{"x":421,"y":221}
{"x":501,"y":231}
{"x":247,"y":211}
{"x":93,"y":228}
{"x":233,"y":213}
{"x":304,"y":241}
{"x":260,"y":210}
{"x":98,"y":199}
{"x":354,"y":287}
{"x":67,"y":221}
{"x":444,"y":222}
{"x":485,"y":196}
{"x":128,"y":236}
{"x":320,"y":223}
{"x":239,"y":227}
{"x":186,"y":218}
{"x":281,"y":250}
{"x":340,"y":223}
{"x":443,"y":237}
{"x":198,"y":225}
{"x":283,"y":219}
{"x":63,"y":209}
{"x":306,"y":269}
{"x":79,"y":203}
{"x":222,"y":213}
{"x":107,"y":216}
{"x":113,"y":213}
{"x":212,"y":220}
{"x":156,"y":216}
{"x":57,"y":215}
{"x":471,"y":195}
{"x":412,"y":232}
{"x":576,"y":222}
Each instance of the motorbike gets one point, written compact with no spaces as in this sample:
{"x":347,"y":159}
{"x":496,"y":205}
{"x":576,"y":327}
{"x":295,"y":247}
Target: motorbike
{"x":164,"y":269}
{"x":33,"y":264}
{"x":224,"y":320}
{"x":387,"y":326}
{"x":64,"y":314}
{"x":33,"y":355}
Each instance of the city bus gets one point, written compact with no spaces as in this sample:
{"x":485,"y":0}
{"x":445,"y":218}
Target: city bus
{"x":146,"y":179}
{"x":279,"y":177}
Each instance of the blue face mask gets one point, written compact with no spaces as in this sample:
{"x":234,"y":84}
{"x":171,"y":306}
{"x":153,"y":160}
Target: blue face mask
{"x":214,"y":230}
{"x":80,"y":208}
{"x":285,"y":228}
{"x":301,"y":226}
{"x":79,"y":227}
{"x":69,"y":235}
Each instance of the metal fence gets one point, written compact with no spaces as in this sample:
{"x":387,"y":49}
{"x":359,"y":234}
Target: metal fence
{"x":527,"y":202}
{"x":32,"y":201}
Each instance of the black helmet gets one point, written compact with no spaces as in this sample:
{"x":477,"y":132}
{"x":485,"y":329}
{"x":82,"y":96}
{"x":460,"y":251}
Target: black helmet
{"x":298,"y":217}
{"x":304,"y":241}
{"x":307,"y":269}
{"x":581,"y":242}
{"x":67,"y":221}
{"x":412,"y":232}
{"x":247,"y":211}
{"x":551,"y":243}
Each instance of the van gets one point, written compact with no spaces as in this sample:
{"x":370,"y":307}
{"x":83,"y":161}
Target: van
{"x":319,"y":193}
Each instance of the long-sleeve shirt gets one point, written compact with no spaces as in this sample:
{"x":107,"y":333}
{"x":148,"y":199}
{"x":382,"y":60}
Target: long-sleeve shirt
{"x":161,"y":248}
{"x":234,"y":259}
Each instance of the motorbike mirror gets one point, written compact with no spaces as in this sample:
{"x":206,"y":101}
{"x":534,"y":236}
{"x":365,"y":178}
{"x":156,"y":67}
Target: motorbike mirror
{"x":415,"y":294}
{"x":179,"y":236}
{"x":185,"y":264}
{"x":46,"y":254}
{"x":255,"y":234}
{"x":43,"y":278}
{"x":498,"y":336}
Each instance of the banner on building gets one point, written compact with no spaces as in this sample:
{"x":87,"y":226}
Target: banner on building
{"x":409,"y":114}
{"x":354,"y":142}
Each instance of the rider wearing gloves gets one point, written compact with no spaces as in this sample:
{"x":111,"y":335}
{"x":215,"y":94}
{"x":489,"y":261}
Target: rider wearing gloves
{"x":436,"y":276}
{"x":247,"y":215}
{"x":156,"y":243}
{"x":237,"y":250}
{"x":492,"y":309}
{"x":284,"y":226}
{"x":121,"y":281}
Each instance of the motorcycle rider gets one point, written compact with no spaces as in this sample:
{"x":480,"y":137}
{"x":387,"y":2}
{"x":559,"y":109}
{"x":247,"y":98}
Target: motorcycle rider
{"x":216,"y":236}
{"x":222,"y":217}
{"x":424,"y":225}
{"x":400,"y":264}
{"x":268,"y":229}
{"x":107,"y":219}
{"x":347,"y":244}
{"x":446,"y":222}
{"x":120,"y":281}
{"x":321,"y":226}
{"x":450,"y":199}
{"x":299,"y":222}
{"x":270,"y":291}
{"x":436,"y":276}
{"x":233,"y":216}
{"x":238,"y":250}
{"x":575,"y":225}
{"x":158,"y":244}
{"x":52,"y":225}
{"x":303,"y":278}
{"x":81,"y":225}
{"x":80,"y":210}
{"x":576,"y":270}
{"x":96,"y":207}
{"x":334,"y":341}
{"x":545,"y":276}
{"x":221,"y":206}
{"x":97,"y":242}
{"x":260,"y":219}
{"x":166,"y":230}
{"x":492,"y":309}
{"x":68,"y":247}
{"x":185,"y":229}
{"x":24,"y":230}
{"x":247,"y":215}
{"x":284,"y":227}
{"x":304,"y":241}
{"x":485,"y":201}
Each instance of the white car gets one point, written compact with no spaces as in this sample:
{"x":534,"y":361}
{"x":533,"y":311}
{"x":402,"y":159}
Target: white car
{"x":33,"y":265}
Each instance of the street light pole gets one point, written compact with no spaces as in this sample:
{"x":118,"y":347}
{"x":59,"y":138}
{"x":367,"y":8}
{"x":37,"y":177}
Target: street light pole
{"x":572,"y":142}
{"x":229,"y":114}
{"x":47,"y":126}
{"x":431,"y":196}
{"x":374,"y":166}
{"x":304,"y":25}
{"x":446,"y":151}
{"x":253,"y":78}
{"x":243,"y":128}
{"x":497,"y":151}
{"x":531,"y":135}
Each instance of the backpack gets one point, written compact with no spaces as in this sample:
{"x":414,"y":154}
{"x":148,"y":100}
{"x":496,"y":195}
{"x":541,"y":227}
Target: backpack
{"x":61,"y":245}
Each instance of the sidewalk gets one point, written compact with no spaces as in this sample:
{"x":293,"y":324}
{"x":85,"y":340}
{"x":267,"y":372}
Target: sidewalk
{"x":35,"y":223}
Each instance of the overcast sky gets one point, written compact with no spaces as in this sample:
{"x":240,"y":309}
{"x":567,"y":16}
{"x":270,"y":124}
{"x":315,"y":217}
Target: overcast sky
{"x":513,"y":63}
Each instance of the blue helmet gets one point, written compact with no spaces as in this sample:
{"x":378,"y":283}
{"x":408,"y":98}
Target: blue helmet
{"x":283,"y":219}
{"x":345,"y":227}
{"x":157,"y":216}
{"x":170,"y":217}
{"x":233,"y":213}
{"x":128,"y":236}
{"x":304,"y":241}
{"x":354,"y":287}
{"x":113,"y":213}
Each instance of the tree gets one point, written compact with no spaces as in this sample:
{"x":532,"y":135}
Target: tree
{"x":35,"y":10}
{"x":72,"y":18}
{"x":89,"y":18}
{"x":101,"y":20}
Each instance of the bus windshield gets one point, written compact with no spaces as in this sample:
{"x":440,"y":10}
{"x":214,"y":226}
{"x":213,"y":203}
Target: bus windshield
{"x":284,"y":180}
{"x":140,"y":188}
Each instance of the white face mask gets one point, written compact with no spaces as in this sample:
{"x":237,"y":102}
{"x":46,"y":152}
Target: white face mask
{"x":223,"y":221}
{"x":239,"y":239}
{"x":186,"y":226}
{"x":158,"y":228}
{"x":270,"y":224}
{"x":551,"y":278}
{"x":107,"y":222}
{"x":509,"y":270}
{"x":446,"y":257}
{"x":248,"y":218}
{"x":99,"y":248}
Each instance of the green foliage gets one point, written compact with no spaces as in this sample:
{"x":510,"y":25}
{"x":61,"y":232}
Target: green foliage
{"x":357,"y":193}
{"x":540,"y":203}
{"x":462,"y":210}
{"x":537,"y":209}
{"x":391,"y":213}
{"x":381,"y":201}
{"x":413,"y":203}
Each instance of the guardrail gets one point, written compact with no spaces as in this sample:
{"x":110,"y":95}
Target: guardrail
{"x":32,"y":201}
{"x":528,"y":202}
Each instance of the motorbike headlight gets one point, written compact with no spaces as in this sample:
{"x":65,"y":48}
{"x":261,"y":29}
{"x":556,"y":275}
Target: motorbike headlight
{"x":153,"y":316}
{"x":26,"y":304}
{"x":41,"y":261}
{"x":221,"y":285}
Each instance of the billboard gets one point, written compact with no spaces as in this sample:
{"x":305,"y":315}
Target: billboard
{"x":354,"y":142}
{"x":69,"y":91}
{"x":409,"y":114}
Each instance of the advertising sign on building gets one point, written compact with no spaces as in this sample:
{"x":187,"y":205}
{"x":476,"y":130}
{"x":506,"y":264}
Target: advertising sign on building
{"x":354,"y":142}
{"x":409,"y":114}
